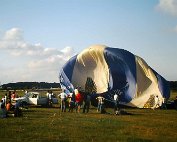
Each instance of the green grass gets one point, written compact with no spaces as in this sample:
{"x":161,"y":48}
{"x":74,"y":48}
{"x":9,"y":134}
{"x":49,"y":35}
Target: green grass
{"x":50,"y":124}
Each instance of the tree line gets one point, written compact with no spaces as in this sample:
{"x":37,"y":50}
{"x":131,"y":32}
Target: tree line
{"x":173,"y":85}
{"x":29,"y":85}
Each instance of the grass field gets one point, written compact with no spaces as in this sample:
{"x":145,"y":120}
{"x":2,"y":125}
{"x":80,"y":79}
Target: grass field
{"x":50,"y":124}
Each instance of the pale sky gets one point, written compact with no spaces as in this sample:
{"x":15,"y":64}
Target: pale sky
{"x":38,"y":36}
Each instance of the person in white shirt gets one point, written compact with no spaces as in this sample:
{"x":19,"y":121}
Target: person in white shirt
{"x":5,"y":99}
{"x":100,"y":107}
{"x":156,"y":102}
{"x":63,"y":97}
{"x":116,"y":102}
{"x":49,"y":96}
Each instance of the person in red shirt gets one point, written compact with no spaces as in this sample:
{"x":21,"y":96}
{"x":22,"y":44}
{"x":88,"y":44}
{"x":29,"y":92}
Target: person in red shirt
{"x":79,"y":100}
{"x":8,"y":106}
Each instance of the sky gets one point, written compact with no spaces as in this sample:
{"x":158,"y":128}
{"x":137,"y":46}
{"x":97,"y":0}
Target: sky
{"x":37,"y":37}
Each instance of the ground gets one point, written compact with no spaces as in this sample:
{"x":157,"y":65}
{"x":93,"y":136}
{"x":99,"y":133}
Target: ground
{"x":50,"y":124}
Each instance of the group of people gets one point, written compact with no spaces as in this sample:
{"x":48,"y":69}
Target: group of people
{"x":8,"y":106}
{"x":159,"y":102}
{"x":115,"y":101}
{"x":79,"y":99}
{"x":75,"y":101}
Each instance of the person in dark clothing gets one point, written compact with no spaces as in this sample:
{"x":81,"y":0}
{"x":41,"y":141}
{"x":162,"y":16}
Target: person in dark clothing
{"x":86,"y":103}
{"x":3,"y":112}
{"x":17,"y":111}
{"x":71,"y":99}
{"x":175,"y":103}
{"x":9,"y":96}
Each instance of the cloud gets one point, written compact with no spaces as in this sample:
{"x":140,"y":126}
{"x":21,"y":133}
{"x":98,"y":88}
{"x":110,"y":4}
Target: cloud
{"x":168,"y":6}
{"x":30,"y":62}
{"x":14,"y":34}
{"x":13,"y":42}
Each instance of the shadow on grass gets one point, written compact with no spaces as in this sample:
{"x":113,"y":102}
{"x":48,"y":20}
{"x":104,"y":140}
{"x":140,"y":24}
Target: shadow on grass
{"x":138,"y":140}
{"x":122,"y":112}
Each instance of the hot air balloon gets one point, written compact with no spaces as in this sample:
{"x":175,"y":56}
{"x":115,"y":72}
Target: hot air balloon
{"x":104,"y":70}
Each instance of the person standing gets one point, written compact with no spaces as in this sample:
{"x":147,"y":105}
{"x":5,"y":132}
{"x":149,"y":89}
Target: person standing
{"x":116,"y":103}
{"x":163,"y":103}
{"x":71,"y":102}
{"x":8,"y":106}
{"x":100,"y":107}
{"x":63,"y":97}
{"x":79,"y":100}
{"x":175,"y":103}
{"x":3,"y":113}
{"x":86,"y":101}
{"x":17,"y":111}
{"x":156,"y":102}
{"x":9,"y":96}
{"x":49,"y":96}
{"x":5,"y":99}
{"x":13,"y":96}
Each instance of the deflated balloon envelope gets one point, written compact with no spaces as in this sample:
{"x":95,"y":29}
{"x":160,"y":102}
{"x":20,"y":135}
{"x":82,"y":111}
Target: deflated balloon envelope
{"x":101,"y":70}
